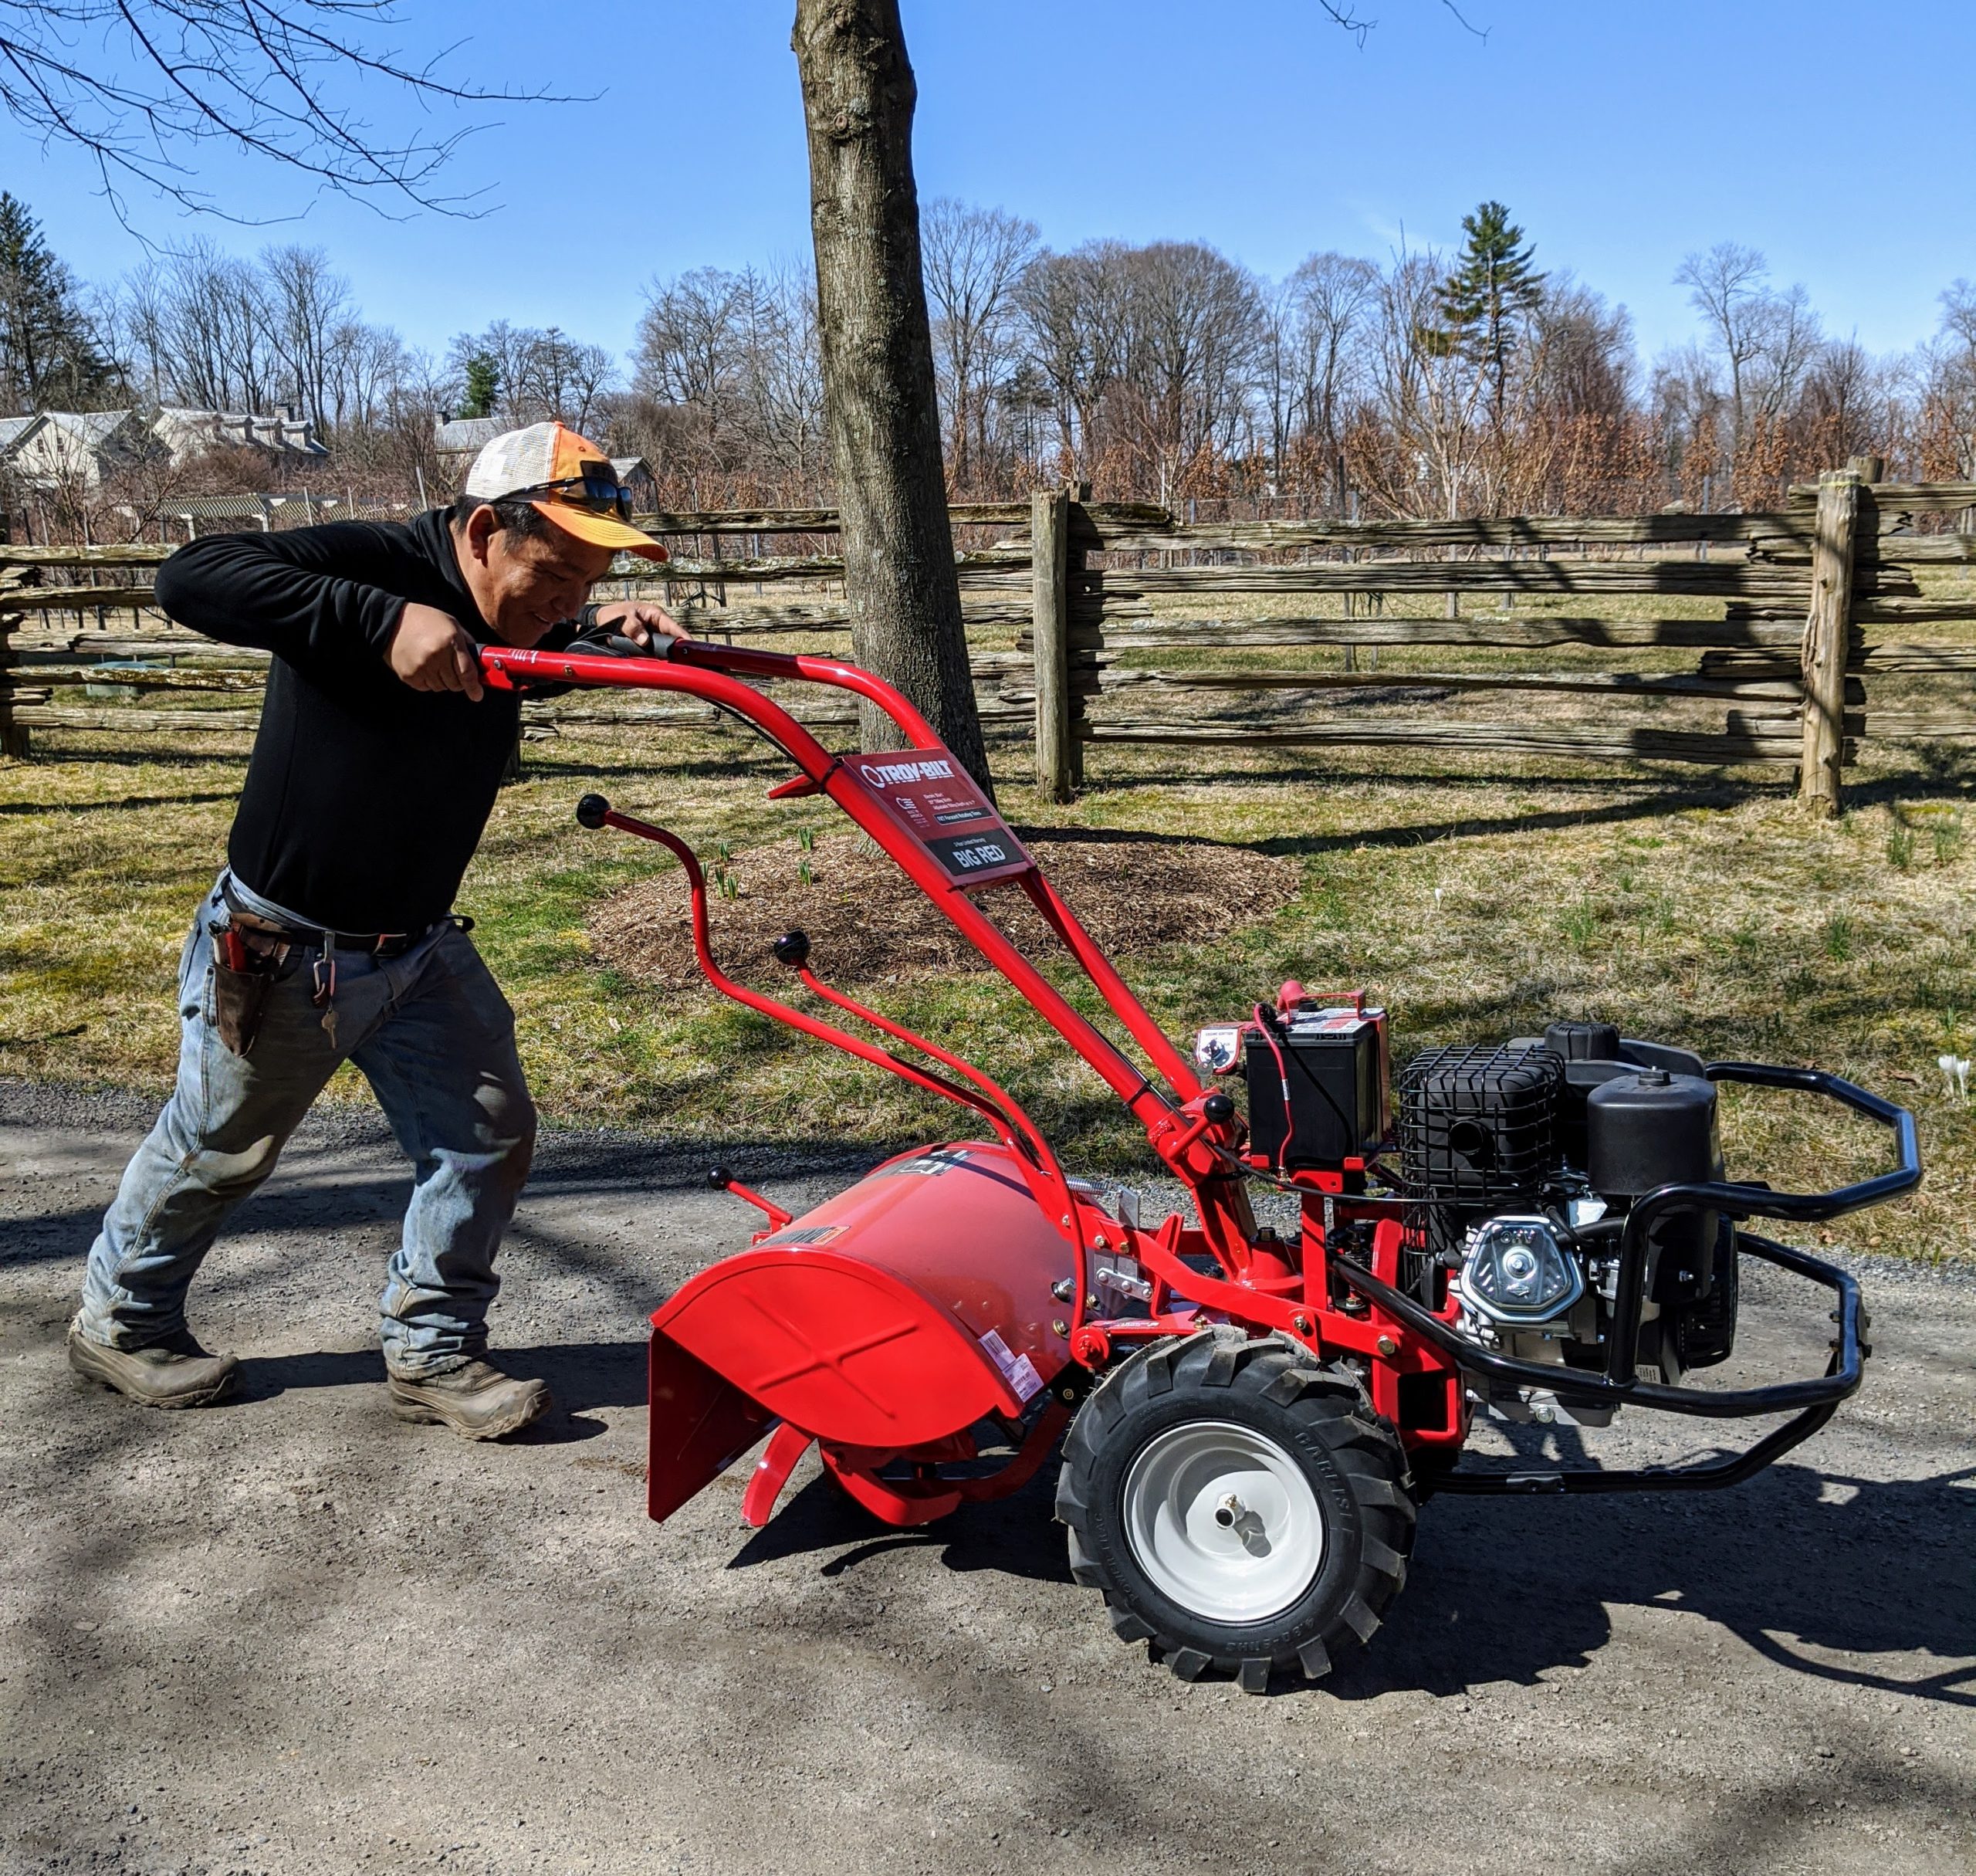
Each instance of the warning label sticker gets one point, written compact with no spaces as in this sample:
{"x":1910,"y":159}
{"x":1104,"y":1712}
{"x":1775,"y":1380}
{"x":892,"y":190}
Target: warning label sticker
{"x":1018,"y":1370}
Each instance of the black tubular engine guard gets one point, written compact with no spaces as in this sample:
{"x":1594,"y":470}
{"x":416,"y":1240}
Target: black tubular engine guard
{"x":1813,"y":1401}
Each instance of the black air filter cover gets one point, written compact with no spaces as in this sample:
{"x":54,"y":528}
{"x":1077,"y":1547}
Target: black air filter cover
{"x":1476,"y":1124}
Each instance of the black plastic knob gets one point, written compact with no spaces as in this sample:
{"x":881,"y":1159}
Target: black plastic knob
{"x":719,"y":1178}
{"x":591,"y":809}
{"x":1220,"y":1108}
{"x":793,"y":949}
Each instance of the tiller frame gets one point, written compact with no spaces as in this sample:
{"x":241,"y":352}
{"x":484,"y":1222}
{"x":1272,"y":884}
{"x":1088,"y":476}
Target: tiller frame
{"x":1221,"y":1269}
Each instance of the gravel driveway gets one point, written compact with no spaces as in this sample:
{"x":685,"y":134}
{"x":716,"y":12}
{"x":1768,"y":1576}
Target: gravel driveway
{"x":290,"y":1634}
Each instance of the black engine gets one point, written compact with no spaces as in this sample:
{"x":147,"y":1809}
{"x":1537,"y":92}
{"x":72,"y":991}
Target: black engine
{"x":1524,"y":1160}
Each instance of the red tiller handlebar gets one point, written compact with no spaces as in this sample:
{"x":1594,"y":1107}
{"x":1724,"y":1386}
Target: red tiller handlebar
{"x":713,"y":674}
{"x":667,"y":671}
{"x":702,"y":671}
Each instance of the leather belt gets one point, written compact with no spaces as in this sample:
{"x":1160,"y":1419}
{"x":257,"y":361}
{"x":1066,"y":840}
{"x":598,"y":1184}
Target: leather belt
{"x":378,"y":944}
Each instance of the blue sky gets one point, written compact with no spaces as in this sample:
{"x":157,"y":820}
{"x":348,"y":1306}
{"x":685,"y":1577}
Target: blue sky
{"x":1622,"y":134}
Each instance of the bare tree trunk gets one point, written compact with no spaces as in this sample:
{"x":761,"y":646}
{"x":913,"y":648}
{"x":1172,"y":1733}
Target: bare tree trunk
{"x":899,"y":580}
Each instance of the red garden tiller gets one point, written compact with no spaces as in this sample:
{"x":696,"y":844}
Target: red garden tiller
{"x":1542,"y":1231}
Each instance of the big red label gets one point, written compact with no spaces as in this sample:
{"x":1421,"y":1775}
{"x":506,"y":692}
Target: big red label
{"x":936,"y":799}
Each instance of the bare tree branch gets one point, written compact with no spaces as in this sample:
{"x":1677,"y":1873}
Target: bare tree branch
{"x":1462,"y":20}
{"x":1342,"y":13}
{"x":139,"y":84}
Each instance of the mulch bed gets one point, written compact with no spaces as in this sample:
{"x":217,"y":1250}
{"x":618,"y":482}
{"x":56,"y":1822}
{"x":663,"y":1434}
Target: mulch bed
{"x":867,"y":922}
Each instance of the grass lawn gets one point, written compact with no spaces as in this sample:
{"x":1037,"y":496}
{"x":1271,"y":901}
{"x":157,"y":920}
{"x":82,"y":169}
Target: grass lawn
{"x":1476,"y":900}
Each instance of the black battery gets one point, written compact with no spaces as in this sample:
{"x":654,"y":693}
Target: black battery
{"x":1334,"y":1064}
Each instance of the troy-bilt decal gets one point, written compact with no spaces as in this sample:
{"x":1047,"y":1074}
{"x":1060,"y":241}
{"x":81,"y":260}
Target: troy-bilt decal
{"x":964,"y":855}
{"x":934,"y":798}
{"x":890,"y":774}
{"x":926,"y":1165}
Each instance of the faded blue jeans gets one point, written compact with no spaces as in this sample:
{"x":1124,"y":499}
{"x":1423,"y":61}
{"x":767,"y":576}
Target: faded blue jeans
{"x":431,"y":1033}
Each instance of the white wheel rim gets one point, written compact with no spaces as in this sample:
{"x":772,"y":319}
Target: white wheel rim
{"x":1223,"y":1521}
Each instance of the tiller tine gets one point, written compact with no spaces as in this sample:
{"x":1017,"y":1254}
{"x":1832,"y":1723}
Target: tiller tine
{"x":771,"y":1474}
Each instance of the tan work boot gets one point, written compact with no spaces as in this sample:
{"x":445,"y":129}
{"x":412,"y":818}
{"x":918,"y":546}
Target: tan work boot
{"x":175,"y":1373}
{"x":475,"y":1398}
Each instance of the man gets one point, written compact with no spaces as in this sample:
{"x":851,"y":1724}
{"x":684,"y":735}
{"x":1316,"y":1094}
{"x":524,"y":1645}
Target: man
{"x":330,"y":936}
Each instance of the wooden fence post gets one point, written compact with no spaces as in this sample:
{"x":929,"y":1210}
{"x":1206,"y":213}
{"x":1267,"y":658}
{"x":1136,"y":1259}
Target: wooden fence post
{"x":1827,"y":640}
{"x":1049,"y":639}
{"x":1078,"y":525}
{"x":13,"y":736}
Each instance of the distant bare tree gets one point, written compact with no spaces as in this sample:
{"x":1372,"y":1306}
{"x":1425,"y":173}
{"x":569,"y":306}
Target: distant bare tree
{"x":1845,"y":404}
{"x":690,"y":341}
{"x":560,"y":379}
{"x":1417,"y":444}
{"x":1788,"y":340}
{"x":1730,"y":287}
{"x":1946,"y":370}
{"x":1076,"y":330}
{"x":974,"y":258}
{"x":1196,"y":331}
{"x":1581,"y":357}
{"x":732,"y":360}
{"x":782,"y":374}
{"x":214,"y":331}
{"x":1327,"y":300}
{"x":307,"y":302}
{"x":367,"y":365}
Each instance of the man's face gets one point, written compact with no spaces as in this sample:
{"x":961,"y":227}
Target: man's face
{"x":524,"y":586}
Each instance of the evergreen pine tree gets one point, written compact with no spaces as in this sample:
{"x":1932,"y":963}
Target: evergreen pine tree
{"x":49,"y":355}
{"x":483,"y":385}
{"x":1492,"y":290}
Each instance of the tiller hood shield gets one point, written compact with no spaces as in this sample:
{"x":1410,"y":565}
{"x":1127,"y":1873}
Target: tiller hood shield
{"x":887,"y":1321}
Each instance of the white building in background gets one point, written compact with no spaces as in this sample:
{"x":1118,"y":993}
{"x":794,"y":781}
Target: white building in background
{"x":284,"y":434}
{"x":79,"y":449}
{"x":458,"y":440}
{"x":74,"y":449}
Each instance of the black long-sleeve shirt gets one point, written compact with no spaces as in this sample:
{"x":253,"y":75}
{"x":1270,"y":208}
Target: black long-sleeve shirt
{"x":365,"y":798}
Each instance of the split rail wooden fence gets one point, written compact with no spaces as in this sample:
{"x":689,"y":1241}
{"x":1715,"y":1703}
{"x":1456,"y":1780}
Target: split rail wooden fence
{"x":1098,"y":623}
{"x":1782,"y":642}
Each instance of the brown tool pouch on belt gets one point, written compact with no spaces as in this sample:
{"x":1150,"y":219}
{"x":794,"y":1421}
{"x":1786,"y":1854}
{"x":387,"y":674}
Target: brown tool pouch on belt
{"x":239,"y":998}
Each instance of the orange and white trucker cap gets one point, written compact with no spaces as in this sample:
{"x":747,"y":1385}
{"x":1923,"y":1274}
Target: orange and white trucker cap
{"x":566,"y":479}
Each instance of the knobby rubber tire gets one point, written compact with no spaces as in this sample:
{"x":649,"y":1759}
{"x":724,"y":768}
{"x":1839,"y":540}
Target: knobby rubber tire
{"x":1321,"y":1416}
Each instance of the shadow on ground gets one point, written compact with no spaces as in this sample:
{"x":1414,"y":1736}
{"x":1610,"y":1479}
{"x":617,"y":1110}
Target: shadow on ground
{"x":1796,"y":1564}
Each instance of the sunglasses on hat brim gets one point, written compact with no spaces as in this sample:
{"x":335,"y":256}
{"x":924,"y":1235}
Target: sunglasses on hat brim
{"x":602,"y":495}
